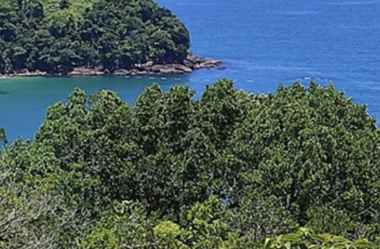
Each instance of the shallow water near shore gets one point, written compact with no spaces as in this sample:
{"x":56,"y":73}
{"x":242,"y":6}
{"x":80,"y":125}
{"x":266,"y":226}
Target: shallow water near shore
{"x":262,"y":43}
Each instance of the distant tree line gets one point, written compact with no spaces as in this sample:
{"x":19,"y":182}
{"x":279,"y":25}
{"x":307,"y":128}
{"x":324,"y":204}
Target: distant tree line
{"x":227,"y":170}
{"x":57,"y":35}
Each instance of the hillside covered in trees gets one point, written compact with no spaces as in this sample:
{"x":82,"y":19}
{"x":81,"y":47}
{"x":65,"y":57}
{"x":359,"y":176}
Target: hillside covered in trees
{"x":55,"y":36}
{"x":228,"y":170}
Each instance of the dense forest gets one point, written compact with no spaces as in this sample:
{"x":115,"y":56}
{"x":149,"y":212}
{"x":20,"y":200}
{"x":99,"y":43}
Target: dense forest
{"x":227,"y":170}
{"x":54,"y":36}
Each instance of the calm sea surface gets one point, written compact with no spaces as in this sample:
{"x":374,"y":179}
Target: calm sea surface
{"x":262,"y":43}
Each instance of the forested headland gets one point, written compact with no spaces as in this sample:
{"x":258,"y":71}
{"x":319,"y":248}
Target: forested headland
{"x":228,"y":170}
{"x":57,"y":36}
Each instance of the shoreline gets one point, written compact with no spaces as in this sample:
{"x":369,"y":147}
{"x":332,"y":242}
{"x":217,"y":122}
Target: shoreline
{"x":188,"y":65}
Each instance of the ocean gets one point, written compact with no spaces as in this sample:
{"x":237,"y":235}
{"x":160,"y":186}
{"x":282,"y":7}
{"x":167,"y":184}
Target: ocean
{"x":262,"y":44}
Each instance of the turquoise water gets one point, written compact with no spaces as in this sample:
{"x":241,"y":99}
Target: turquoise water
{"x":262,"y":43}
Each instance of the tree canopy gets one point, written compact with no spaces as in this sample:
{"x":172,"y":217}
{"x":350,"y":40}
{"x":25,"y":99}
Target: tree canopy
{"x":55,"y":36}
{"x":228,"y":170}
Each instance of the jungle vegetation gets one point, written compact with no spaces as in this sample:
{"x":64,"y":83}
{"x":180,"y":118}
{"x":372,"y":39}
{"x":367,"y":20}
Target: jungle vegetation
{"x":228,"y":170}
{"x":55,"y":36}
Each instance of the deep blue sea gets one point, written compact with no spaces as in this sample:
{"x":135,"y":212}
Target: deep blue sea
{"x":262,"y":43}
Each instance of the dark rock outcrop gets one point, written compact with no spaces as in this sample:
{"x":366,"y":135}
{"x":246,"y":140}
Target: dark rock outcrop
{"x":81,"y":71}
{"x":121,"y":72}
{"x":189,"y":64}
{"x":25,"y":73}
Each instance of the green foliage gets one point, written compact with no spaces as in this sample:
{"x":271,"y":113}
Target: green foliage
{"x":3,"y":137}
{"x":312,"y":147}
{"x":224,"y":171}
{"x":305,"y":238}
{"x":124,"y":225}
{"x":57,"y":35}
{"x":88,"y":145}
{"x":259,"y":217}
{"x":29,"y":216}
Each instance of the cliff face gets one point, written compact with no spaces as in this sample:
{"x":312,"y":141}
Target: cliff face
{"x":58,"y":36}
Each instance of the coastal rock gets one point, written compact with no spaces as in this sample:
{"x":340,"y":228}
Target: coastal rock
{"x":167,"y":70}
{"x":143,"y":72}
{"x":144,"y":66}
{"x":206,"y":64}
{"x":121,"y":72}
{"x":197,"y":66}
{"x":26,"y":73}
{"x":183,"y":68}
{"x":156,"y":68}
{"x":191,"y":58}
{"x":139,"y":66}
{"x":195,"y":62}
{"x":39,"y":73}
{"x":85,"y":72}
{"x":215,"y":62}
{"x":188,"y":63}
{"x":133,"y":72}
{"x":175,"y":71}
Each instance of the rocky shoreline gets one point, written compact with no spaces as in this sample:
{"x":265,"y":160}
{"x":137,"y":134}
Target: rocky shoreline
{"x":188,"y":65}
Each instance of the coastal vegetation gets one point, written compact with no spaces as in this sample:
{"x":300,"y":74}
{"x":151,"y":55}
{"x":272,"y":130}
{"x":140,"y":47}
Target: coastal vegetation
{"x":228,"y":170}
{"x":56,"y":36}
